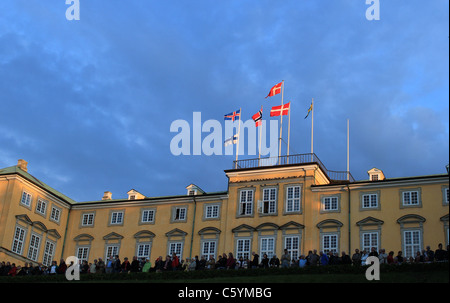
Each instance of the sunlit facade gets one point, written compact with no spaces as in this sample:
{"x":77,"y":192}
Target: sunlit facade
{"x":293,"y":203}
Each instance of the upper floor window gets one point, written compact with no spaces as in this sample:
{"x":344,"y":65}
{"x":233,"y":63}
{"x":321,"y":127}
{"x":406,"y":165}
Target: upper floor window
{"x":88,"y":219}
{"x":246,"y":202}
{"x":330,"y":203}
{"x":55,"y":214}
{"x":117,"y":217}
{"x":26,"y":199}
{"x":369,"y":201}
{"x":212,"y":211}
{"x":148,"y":216}
{"x":41,"y":206}
{"x":179,"y":214}
{"x":269,"y":202}
{"x":293,"y":199}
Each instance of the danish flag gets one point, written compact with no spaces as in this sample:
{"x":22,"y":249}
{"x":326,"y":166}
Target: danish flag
{"x":280,"y":110}
{"x":275,"y":90}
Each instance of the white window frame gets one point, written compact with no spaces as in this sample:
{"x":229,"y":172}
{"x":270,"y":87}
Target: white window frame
{"x":180,"y":213}
{"x":33,"y":247}
{"x":41,"y":206}
{"x":143,"y":250}
{"x":407,"y":198}
{"x":328,"y":203}
{"x":148,"y":216}
{"x":55,"y":214}
{"x":267,"y":246}
{"x":26,"y":199}
{"x":411,"y":249}
{"x":212,"y":211}
{"x":18,"y":240}
{"x":369,"y":201}
{"x":269,"y":201}
{"x":209,"y":247}
{"x":370,"y":239}
{"x":243,"y":248}
{"x":49,"y":253}
{"x":292,"y":244}
{"x":246,"y":202}
{"x":330,"y":238}
{"x":83,"y":253}
{"x":293,"y":203}
{"x":87,"y":219}
{"x":116,"y":218}
{"x":111,"y":251}
{"x":175,"y":247}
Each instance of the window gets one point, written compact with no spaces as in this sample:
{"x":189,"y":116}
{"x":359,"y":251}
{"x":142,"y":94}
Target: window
{"x":143,"y":250}
{"x":117,"y":217}
{"x":292,"y":244}
{"x":246,"y":202}
{"x":55,"y":214}
{"x":179,"y":214}
{"x":369,"y":240}
{"x":209,"y":248}
{"x":370,"y":201}
{"x":19,"y":237}
{"x":374,"y":177}
{"x":49,"y":251}
{"x":269,"y":202}
{"x":330,"y":203}
{"x":293,"y":199}
{"x":26,"y":199}
{"x":410,"y":198}
{"x":211,"y":211}
{"x":111,"y":251}
{"x":329,"y":243}
{"x":41,"y":206}
{"x":88,"y":219}
{"x":243,"y":249}
{"x":148,"y":216}
{"x":82,"y":253}
{"x":33,"y":250}
{"x":267,"y":247}
{"x":412,"y":242}
{"x":176,"y":247}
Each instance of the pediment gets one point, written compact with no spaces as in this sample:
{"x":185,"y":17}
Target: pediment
{"x":369,"y":221}
{"x":209,"y":231}
{"x":243,"y":228}
{"x":176,"y":232}
{"x":112,"y":236}
{"x":329,"y":223}
{"x":411,"y":219}
{"x":144,"y":234}
{"x":292,"y":225}
{"x":267,"y":226}
{"x":84,"y":237}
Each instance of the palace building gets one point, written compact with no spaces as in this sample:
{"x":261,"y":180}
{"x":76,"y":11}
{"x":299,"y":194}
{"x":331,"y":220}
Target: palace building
{"x":292,"y":203}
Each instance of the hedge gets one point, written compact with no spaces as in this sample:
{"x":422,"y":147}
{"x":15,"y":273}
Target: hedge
{"x":209,"y":274}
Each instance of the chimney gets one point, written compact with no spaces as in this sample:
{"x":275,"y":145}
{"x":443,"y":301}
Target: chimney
{"x":22,"y":164}
{"x":107,"y":195}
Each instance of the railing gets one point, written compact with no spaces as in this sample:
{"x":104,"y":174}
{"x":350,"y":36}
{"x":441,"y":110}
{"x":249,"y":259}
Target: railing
{"x":294,"y":159}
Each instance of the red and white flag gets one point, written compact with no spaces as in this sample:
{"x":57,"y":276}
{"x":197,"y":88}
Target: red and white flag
{"x":258,"y":118}
{"x":275,"y":90}
{"x":280,"y":110}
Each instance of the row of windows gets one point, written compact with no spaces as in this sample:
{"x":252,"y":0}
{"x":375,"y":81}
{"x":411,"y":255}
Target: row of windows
{"x":179,"y":214}
{"x":208,"y":248}
{"x":41,"y":207}
{"x":34,"y":246}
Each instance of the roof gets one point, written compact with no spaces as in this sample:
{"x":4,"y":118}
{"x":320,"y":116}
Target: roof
{"x":16,"y":170}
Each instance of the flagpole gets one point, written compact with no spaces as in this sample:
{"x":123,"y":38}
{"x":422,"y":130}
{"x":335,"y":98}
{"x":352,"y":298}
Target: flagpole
{"x":260,"y":131}
{"x":289,"y":133}
{"x":312,"y":127}
{"x":281,"y":123}
{"x":348,"y":149}
{"x":239,"y":135}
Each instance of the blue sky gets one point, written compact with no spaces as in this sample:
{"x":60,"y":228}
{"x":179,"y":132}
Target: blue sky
{"x":89,"y":103}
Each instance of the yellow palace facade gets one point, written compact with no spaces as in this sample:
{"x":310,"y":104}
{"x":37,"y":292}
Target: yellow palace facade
{"x":294,"y":203}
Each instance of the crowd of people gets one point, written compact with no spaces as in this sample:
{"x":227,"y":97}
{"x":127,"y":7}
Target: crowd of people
{"x":224,"y":262}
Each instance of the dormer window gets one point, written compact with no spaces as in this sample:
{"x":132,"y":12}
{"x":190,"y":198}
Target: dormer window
{"x":376,"y":174}
{"x":193,"y":190}
{"x":135,"y":195}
